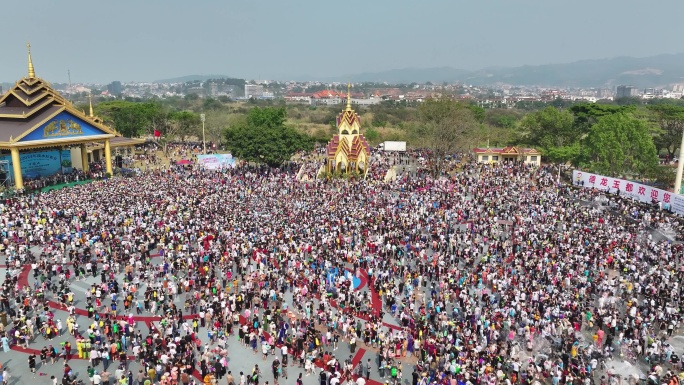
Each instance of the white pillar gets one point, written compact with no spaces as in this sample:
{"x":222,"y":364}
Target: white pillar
{"x":680,"y":168}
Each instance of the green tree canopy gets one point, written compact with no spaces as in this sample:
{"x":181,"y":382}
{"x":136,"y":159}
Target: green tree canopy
{"x":587,"y":114}
{"x":263,"y":137}
{"x":446,"y":125}
{"x":620,"y":145}
{"x":670,"y":119}
{"x":502,"y":118}
{"x":550,"y":128}
{"x":131,"y":119}
{"x":183,"y":124}
{"x":478,"y":112}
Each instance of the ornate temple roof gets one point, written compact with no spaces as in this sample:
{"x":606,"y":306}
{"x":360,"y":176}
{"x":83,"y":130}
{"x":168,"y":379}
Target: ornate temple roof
{"x":348,"y":140}
{"x":32,"y":103}
{"x":348,"y":116}
{"x":337,"y":142}
{"x":510,"y":150}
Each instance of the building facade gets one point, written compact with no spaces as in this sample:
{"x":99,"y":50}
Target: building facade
{"x":626,"y":92}
{"x":254,"y":90}
{"x":508,"y":154}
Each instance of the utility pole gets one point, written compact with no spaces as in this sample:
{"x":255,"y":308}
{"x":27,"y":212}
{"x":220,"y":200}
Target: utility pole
{"x":204,"y":142}
{"x":69,"y":73}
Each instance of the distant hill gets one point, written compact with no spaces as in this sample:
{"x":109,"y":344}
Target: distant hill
{"x":191,"y":78}
{"x":653,"y":71}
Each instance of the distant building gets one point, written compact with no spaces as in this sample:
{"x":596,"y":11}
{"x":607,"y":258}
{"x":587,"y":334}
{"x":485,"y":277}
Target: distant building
{"x":603,"y":93}
{"x":114,"y":88}
{"x":626,"y":92}
{"x":254,"y":91}
{"x":508,"y":154}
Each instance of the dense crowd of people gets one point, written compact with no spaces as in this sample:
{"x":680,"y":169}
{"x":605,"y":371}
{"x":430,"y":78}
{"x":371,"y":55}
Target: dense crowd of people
{"x":493,"y":274}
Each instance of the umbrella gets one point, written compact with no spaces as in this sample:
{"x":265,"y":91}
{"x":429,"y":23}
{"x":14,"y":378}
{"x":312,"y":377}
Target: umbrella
{"x":183,"y":162}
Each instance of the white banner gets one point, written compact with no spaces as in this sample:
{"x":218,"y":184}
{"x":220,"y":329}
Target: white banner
{"x":216,"y":161}
{"x":636,"y":191}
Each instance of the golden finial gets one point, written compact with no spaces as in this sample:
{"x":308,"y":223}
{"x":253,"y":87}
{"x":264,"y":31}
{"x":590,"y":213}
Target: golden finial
{"x":32,"y":72}
{"x":90,"y":100}
{"x":348,"y":96}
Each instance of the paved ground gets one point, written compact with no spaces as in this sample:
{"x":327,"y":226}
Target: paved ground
{"x":240,"y":358}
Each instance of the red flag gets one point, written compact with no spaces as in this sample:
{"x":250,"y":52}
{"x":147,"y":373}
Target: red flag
{"x":157,"y":133}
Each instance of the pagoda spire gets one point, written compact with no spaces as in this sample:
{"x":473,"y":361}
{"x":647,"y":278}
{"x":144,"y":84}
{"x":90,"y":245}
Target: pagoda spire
{"x":31,"y":71}
{"x":349,"y":97}
{"x":90,"y":100}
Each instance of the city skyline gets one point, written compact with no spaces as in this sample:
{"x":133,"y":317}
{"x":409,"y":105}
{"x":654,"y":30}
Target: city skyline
{"x":151,"y":40}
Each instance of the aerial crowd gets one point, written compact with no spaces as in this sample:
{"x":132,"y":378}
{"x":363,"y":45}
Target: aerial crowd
{"x":490,"y":274}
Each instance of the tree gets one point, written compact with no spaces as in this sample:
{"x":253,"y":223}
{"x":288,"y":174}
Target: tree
{"x":372,"y":135}
{"x":587,"y":114}
{"x":478,"y":112}
{"x":183,"y":124}
{"x":670,"y":119}
{"x":447,"y":124}
{"x":379,"y":119}
{"x":267,"y":117}
{"x":132,"y":119}
{"x":211,"y":104}
{"x":629,"y":101}
{"x":502,"y":117}
{"x":262,"y":137}
{"x":620,"y":144}
{"x":549,"y":128}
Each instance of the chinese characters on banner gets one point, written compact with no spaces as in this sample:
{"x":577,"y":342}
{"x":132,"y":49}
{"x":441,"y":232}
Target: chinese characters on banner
{"x":637,"y":191}
{"x":216,"y":161}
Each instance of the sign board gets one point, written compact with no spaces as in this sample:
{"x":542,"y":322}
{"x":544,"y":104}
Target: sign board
{"x":216,"y":161}
{"x":40,"y":164}
{"x":637,"y":191}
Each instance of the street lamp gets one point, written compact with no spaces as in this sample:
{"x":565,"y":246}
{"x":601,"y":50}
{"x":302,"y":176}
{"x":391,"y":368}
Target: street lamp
{"x":204,"y":142}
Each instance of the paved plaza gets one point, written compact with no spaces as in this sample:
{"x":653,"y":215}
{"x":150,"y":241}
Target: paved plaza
{"x":467,"y":270}
{"x":240,"y":358}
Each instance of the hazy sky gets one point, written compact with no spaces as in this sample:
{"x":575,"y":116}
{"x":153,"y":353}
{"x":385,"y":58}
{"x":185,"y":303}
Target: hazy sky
{"x":145,"y":40}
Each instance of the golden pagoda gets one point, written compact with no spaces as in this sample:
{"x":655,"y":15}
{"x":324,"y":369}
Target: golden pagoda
{"x":348,"y":150}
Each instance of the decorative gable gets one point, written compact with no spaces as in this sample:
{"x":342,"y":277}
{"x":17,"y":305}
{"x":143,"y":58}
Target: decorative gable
{"x":63,"y":125}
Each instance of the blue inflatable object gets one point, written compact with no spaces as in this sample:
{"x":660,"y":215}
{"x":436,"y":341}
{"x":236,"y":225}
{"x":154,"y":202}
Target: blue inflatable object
{"x":356,"y":282}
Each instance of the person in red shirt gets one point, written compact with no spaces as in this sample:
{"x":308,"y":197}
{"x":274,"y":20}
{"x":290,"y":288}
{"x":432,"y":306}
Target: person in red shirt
{"x":67,"y":349}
